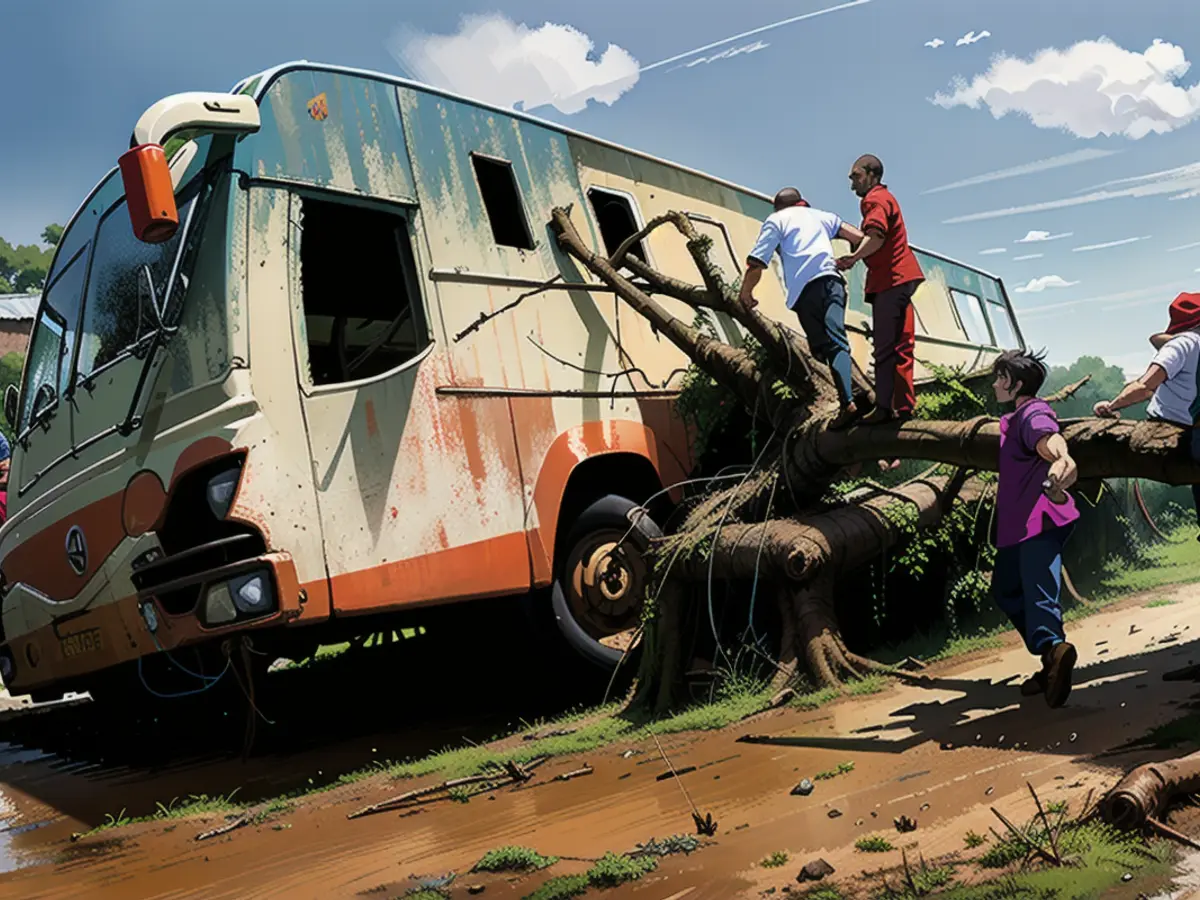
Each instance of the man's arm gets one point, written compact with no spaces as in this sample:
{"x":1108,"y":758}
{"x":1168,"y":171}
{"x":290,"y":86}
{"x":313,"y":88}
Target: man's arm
{"x":1133,"y":393}
{"x":1063,"y":471}
{"x":850,"y":234}
{"x":874,"y":231}
{"x":750,"y":279}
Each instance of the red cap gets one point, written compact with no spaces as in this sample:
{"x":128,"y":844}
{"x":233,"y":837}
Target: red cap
{"x":1185,"y":313}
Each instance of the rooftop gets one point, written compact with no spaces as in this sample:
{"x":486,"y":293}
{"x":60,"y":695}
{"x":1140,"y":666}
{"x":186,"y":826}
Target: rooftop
{"x":19,"y":306}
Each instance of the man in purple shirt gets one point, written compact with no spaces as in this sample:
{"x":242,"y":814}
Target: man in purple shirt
{"x":1034,"y":517}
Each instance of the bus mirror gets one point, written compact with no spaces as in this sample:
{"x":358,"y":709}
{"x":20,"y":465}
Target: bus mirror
{"x":149,"y":193}
{"x":11,"y":395}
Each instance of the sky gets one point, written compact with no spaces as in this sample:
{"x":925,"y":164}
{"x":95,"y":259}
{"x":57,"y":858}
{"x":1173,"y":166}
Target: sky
{"x":1050,"y":142}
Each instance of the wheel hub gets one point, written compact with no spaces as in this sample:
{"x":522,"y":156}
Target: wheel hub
{"x":605,"y":585}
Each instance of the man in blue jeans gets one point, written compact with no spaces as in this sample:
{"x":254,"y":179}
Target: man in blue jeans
{"x":1172,"y":380}
{"x":816,"y":291}
{"x":1034,"y":517}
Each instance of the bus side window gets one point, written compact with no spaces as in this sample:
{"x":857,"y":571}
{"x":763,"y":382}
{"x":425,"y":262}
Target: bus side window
{"x":973,"y":317}
{"x":615,"y":215}
{"x":502,"y":200}
{"x":362,"y":306}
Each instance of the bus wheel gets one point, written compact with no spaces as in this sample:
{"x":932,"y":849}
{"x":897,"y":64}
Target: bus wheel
{"x":599,"y":589}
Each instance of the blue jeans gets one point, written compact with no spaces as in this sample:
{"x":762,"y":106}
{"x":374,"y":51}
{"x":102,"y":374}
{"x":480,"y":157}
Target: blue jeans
{"x":1195,"y":449}
{"x":821,"y":308}
{"x":1027,"y":582}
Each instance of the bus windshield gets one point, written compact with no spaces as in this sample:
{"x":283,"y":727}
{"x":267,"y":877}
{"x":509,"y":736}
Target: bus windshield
{"x":96,"y":308}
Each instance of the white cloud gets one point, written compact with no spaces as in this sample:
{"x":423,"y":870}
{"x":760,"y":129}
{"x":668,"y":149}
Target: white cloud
{"x":726,"y":54}
{"x":1091,"y":88}
{"x":1037,"y":285}
{"x":753,"y":31}
{"x":1120,"y":300}
{"x":1106,"y":245}
{"x":935,"y":43}
{"x":1036,"y":237}
{"x":1183,"y":182}
{"x":1183,"y":247}
{"x":992,"y":251}
{"x":1028,"y":256}
{"x":495,"y":60}
{"x":1041,"y":165}
{"x":972,"y":38}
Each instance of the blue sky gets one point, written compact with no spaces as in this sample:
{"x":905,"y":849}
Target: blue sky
{"x":795,"y":105}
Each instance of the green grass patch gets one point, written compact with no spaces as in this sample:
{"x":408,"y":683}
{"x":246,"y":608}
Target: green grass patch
{"x":1098,"y":855}
{"x":825,"y":892}
{"x":1184,"y":731}
{"x":842,"y":769}
{"x":875,"y":843}
{"x":426,"y":894}
{"x":561,"y":888}
{"x":973,"y":840}
{"x":862,"y":687}
{"x":1175,"y":562}
{"x":614,"y":869}
{"x":1161,"y":601}
{"x":775,"y":860}
{"x":194,"y":805}
{"x":925,"y":880}
{"x":513,"y":859}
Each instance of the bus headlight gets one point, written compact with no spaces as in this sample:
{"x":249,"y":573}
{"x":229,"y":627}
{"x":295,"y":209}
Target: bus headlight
{"x":220,"y":492}
{"x":252,"y":594}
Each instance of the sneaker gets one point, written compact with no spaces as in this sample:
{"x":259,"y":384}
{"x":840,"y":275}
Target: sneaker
{"x":1059,"y":666}
{"x":1035,"y":684}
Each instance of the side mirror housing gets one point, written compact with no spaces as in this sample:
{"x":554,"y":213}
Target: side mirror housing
{"x":149,"y":189}
{"x":11,"y":398}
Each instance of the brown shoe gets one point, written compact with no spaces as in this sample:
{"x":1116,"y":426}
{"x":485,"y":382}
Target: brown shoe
{"x":1059,"y":667}
{"x":843,"y":418}
{"x":877,"y":416}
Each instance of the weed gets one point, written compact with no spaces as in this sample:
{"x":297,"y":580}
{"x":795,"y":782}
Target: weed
{"x":973,"y":840}
{"x":1161,"y":601}
{"x":916,"y":883}
{"x":825,"y":892}
{"x":460,"y":794}
{"x":513,"y":859}
{"x":614,"y":869}
{"x":842,"y":769}
{"x":561,"y":888}
{"x":775,"y":860}
{"x":677,"y":843}
{"x":875,"y":843}
{"x":426,"y":894}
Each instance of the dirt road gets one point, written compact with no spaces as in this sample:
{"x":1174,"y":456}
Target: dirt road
{"x":941,"y":756}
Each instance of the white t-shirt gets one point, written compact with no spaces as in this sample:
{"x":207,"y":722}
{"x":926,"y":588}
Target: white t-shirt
{"x":1176,"y":398}
{"x":803,"y":236}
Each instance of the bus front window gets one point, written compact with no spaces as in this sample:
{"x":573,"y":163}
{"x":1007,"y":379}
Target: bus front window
{"x":53,"y":337}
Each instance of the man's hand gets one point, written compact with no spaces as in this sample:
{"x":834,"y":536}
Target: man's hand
{"x":1104,"y":410}
{"x":747,"y":299}
{"x":845,"y":262}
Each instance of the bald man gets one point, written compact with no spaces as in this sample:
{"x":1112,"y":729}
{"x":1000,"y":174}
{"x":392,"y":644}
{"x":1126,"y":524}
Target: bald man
{"x":816,"y":291}
{"x":893,"y":276}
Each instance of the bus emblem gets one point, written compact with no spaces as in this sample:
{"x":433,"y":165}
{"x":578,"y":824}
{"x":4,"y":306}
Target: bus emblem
{"x":77,"y":550}
{"x":318,"y":107}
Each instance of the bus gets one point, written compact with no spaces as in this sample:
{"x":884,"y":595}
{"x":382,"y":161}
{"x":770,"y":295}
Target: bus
{"x":289,"y":377}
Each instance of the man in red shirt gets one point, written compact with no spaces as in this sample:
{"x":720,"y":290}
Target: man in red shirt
{"x":893,"y":276}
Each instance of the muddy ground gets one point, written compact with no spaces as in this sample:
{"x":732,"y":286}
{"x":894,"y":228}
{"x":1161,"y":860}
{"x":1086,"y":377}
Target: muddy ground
{"x":942,"y":757}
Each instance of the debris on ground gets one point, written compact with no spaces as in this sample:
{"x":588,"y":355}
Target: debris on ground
{"x":904,"y":824}
{"x":509,"y":773}
{"x":803,"y":789}
{"x":815,"y":871}
{"x":835,"y":813}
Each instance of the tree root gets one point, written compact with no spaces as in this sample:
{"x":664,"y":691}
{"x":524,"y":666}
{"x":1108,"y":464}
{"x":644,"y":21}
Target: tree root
{"x":1145,"y":792}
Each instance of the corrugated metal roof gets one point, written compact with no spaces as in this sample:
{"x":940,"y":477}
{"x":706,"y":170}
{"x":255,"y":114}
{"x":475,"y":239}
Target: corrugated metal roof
{"x":19,"y":306}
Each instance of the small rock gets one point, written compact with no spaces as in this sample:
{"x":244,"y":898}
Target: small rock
{"x":1073,"y":737}
{"x":979,"y":737}
{"x":859,"y":823}
{"x":769,"y":891}
{"x":815,"y":871}
{"x":803,"y":789}
{"x":988,"y":792}
{"x":924,"y":806}
{"x":1127,"y":877}
{"x":1133,"y":629}
{"x":627,"y":754}
{"x":874,"y":815}
{"x":475,"y":889}
{"x":1102,"y":652}
{"x":1122,"y":706}
{"x":834,"y":813}
{"x":1000,"y":740}
{"x":947,"y":745}
{"x":904,"y":824}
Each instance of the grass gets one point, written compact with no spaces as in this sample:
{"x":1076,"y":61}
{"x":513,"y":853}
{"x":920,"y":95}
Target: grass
{"x":194,"y":805}
{"x":561,"y":887}
{"x":513,"y":859}
{"x":775,"y":860}
{"x":426,"y":894}
{"x":1176,"y":562}
{"x":824,"y":892}
{"x":873,"y":844}
{"x":842,"y":769}
{"x":1161,"y":601}
{"x":1178,"y":732}
{"x":973,"y":840}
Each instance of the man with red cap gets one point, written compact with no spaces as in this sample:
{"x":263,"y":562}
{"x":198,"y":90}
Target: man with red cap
{"x":1172,"y":381}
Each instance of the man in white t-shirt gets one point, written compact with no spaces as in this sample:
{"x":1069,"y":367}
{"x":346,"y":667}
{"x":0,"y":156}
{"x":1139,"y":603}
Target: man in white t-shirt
{"x":1172,"y":380}
{"x":816,"y":290}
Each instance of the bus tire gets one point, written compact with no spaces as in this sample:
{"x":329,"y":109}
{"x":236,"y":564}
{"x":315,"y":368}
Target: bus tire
{"x":588,"y":603}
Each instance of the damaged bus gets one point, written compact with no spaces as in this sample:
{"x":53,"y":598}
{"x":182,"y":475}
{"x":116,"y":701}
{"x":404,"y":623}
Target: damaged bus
{"x":280,"y":383}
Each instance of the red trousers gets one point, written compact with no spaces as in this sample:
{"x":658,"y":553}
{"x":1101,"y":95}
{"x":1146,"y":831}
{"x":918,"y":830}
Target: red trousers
{"x":894,"y":336}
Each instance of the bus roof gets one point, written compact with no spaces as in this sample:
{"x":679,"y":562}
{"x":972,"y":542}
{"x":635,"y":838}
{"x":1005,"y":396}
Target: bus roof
{"x":268,"y":76}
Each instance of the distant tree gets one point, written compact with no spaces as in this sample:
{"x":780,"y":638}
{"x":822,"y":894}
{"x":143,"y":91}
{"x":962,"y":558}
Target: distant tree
{"x":10,"y":373}
{"x":23,"y":267}
{"x":1105,"y":383}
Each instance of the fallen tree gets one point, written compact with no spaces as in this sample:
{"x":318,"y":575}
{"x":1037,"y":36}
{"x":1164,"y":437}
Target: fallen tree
{"x":795,"y":539}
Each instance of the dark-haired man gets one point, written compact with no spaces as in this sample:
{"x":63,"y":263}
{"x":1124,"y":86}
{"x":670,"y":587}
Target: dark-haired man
{"x":1034,"y":517}
{"x":893,"y":276}
{"x":816,"y":290}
